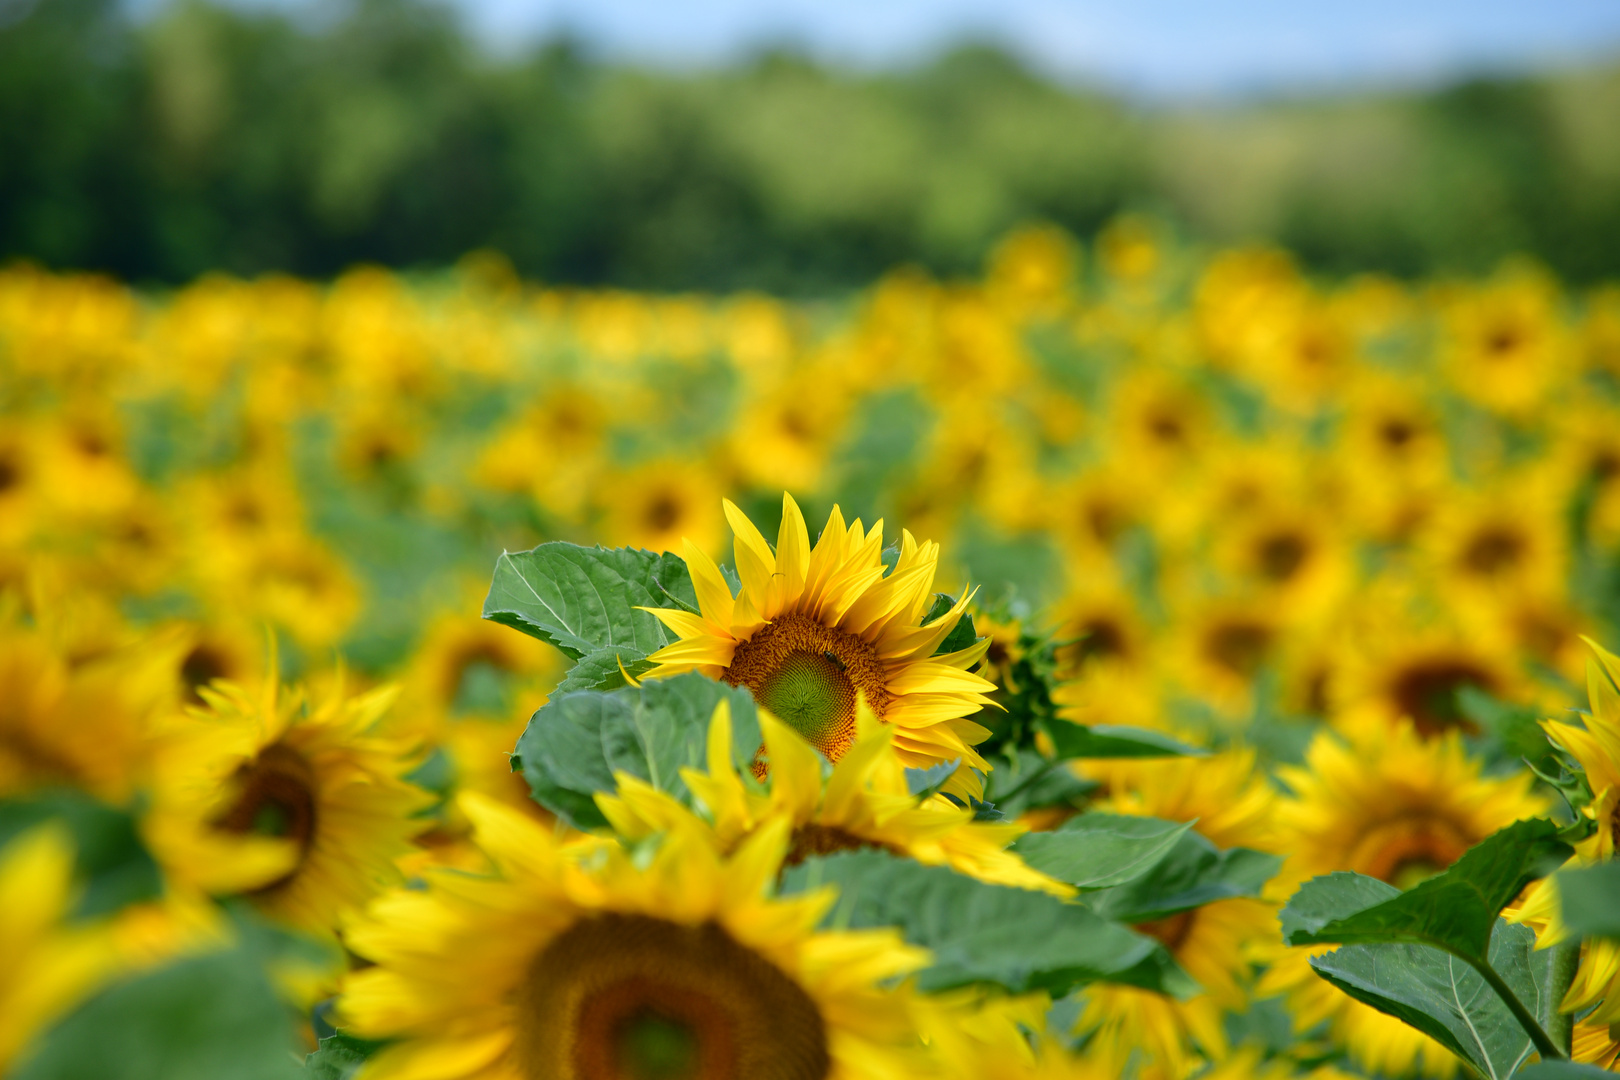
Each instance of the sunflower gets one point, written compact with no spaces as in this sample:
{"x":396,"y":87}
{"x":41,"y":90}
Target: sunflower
{"x":295,"y":802}
{"x":76,"y":721}
{"x":1505,"y":344}
{"x":1596,"y":989}
{"x":812,"y":631}
{"x":1231,"y":804}
{"x":864,"y":803}
{"x":52,"y":964}
{"x":1391,"y":805}
{"x":585,"y":961}
{"x":661,"y":502}
{"x":1486,"y":545}
{"x":1414,"y":672}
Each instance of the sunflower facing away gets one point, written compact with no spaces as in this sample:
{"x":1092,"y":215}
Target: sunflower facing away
{"x":583,"y":961}
{"x":814,"y":630}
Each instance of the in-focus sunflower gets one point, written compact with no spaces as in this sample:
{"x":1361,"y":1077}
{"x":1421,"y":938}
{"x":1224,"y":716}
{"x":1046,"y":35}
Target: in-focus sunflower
{"x":1391,"y":805}
{"x":298,"y":803}
{"x":812,"y":631}
{"x":584,"y":962}
{"x":864,"y":803}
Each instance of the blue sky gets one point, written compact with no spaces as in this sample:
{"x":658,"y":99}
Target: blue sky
{"x":1159,"y":48}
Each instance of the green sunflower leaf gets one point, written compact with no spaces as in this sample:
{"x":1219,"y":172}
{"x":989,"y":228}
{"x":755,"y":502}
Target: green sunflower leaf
{"x":585,"y":599}
{"x":1455,"y":910}
{"x":1437,"y":956}
{"x":987,"y":934}
{"x":1562,"y":1070}
{"x":926,"y":783}
{"x":1073,"y":740}
{"x":1446,"y":998}
{"x":338,"y":1057}
{"x":1589,"y":895}
{"x":1194,"y":872}
{"x":600,"y":670}
{"x":211,"y":1017}
{"x":577,"y":741}
{"x":1099,"y":851}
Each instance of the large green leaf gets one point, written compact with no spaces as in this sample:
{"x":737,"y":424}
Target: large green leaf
{"x":1445,"y":997}
{"x":1097,"y":850}
{"x":1072,"y":740}
{"x":1591,"y":899}
{"x":1562,"y":1070}
{"x":212,"y":1017}
{"x":1193,"y":873}
{"x":112,"y":865}
{"x":575,"y":742}
{"x":983,"y":933}
{"x":1455,"y":910}
{"x":584,"y":599}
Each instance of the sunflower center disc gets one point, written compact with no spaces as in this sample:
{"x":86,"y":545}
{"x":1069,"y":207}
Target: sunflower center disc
{"x":631,"y":997}
{"x":811,"y":693}
{"x":809,"y":676}
{"x":278,"y":797}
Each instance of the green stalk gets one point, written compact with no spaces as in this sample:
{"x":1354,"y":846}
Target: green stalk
{"x":1548,"y":1050}
{"x":1561,"y":967}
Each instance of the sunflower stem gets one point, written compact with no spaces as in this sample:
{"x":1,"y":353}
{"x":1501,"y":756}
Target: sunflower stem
{"x":1548,"y":1050}
{"x":1561,"y":968}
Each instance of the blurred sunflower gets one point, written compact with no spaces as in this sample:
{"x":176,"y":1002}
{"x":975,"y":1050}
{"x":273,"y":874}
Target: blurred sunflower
{"x":1399,"y":808}
{"x":814,"y":630}
{"x":582,"y":961}
{"x":76,"y":722}
{"x":1231,"y":805}
{"x":661,"y":504}
{"x":1482,"y":545}
{"x":297,"y":803}
{"x":1219,"y":647}
{"x":1505,"y":343}
{"x":1399,"y":667}
{"x":864,"y":803}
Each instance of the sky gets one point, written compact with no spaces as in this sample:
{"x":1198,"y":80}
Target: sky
{"x":1158,"y":48}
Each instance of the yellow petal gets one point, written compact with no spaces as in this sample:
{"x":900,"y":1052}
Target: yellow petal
{"x":713,"y":594}
{"x":755,"y":563}
{"x":795,"y":768}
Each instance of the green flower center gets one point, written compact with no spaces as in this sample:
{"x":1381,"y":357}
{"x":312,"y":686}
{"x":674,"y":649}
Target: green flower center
{"x":812,"y":693}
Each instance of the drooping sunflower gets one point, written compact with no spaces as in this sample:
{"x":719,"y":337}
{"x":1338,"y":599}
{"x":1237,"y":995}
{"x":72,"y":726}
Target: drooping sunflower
{"x":1391,"y":805}
{"x":297,"y":803}
{"x":812,"y":631}
{"x":581,"y":962}
{"x":1596,"y":988}
{"x":864,"y":803}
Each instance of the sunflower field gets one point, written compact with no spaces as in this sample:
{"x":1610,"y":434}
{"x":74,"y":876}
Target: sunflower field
{"x":1140,"y":661}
